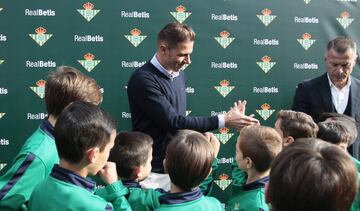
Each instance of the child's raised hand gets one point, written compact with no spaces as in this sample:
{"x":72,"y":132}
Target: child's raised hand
{"x":215,"y":143}
{"x":108,"y":173}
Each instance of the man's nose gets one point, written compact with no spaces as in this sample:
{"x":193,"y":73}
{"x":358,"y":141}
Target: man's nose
{"x":187,"y":59}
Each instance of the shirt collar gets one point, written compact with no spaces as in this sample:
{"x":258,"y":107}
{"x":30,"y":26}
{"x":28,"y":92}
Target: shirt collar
{"x":169,"y":74}
{"x":47,"y":127}
{"x":256,"y":184}
{"x":332,"y":86}
{"x":68,"y":176}
{"x":131,"y":184}
{"x":177,"y":198}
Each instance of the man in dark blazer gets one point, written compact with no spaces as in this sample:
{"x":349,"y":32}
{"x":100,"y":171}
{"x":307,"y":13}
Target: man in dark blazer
{"x":336,"y":90}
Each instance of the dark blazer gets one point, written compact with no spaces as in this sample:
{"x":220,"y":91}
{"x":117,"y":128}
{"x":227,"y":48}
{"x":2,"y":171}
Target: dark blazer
{"x":314,"y":97}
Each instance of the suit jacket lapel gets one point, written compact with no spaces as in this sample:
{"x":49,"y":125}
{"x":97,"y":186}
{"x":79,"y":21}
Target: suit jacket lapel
{"x":355,"y":98}
{"x":325,"y":93}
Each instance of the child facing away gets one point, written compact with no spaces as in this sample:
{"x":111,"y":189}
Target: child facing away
{"x":84,"y":136}
{"x":188,"y":160}
{"x":342,"y":132}
{"x":312,"y":175}
{"x":256,"y":148}
{"x":38,"y":154}
{"x":132,"y":155}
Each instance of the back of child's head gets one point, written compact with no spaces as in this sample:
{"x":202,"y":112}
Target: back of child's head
{"x":338,"y":131}
{"x":67,"y":84}
{"x":312,"y":175}
{"x":336,"y":116}
{"x":297,"y":124}
{"x":131,"y":150}
{"x":261,"y":144}
{"x":82,"y":126}
{"x":189,"y":157}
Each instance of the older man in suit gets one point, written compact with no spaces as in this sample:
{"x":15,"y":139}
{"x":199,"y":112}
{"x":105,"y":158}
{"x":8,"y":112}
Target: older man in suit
{"x":336,"y":90}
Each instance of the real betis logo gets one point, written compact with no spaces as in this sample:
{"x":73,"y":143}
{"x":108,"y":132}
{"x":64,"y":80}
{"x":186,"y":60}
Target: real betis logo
{"x":188,"y":112}
{"x":2,"y":165}
{"x":265,"y":111}
{"x":40,"y":37}
{"x":223,"y":181}
{"x":266,"y":65}
{"x":266,"y":16}
{"x":1,"y":61}
{"x":224,"y":136}
{"x":345,"y":19}
{"x":39,"y":89}
{"x":1,"y":115}
{"x":306,"y":41}
{"x":88,"y":13}
{"x":135,"y":38}
{"x":307,"y":1}
{"x":224,"y":40}
{"x":180,"y":15}
{"x":224,"y":89}
{"x":89,"y":63}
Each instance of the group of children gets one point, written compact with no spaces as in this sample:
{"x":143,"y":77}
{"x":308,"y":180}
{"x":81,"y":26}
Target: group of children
{"x":286,"y":168}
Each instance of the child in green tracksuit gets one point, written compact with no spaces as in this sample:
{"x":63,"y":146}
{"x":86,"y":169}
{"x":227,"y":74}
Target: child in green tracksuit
{"x":256,"y":148}
{"x":188,"y":161}
{"x":84,"y":136}
{"x":342,"y":132}
{"x":38,"y":155}
{"x":132,"y":155}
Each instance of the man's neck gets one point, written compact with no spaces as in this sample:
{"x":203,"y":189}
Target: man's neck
{"x":253,"y":175}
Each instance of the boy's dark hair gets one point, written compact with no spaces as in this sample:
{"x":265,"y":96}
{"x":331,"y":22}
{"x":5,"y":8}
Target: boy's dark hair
{"x":189,"y":157}
{"x":338,"y":131}
{"x":79,"y":127}
{"x":261,"y":144}
{"x":312,"y":175}
{"x":67,"y":84}
{"x":174,"y":33}
{"x":131,"y":150}
{"x":297,"y":124}
{"x":336,"y":116}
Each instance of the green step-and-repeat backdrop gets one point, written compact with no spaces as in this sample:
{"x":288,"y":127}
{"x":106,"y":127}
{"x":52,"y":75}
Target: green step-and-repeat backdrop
{"x":254,"y":50}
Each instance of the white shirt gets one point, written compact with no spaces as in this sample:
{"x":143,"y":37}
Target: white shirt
{"x":172,"y":75}
{"x":340,"y":97}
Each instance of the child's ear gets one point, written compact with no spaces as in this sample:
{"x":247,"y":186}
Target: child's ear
{"x":165,"y":166}
{"x":248,"y":163}
{"x":137,"y":172}
{"x":288,"y":140}
{"x":92,"y":154}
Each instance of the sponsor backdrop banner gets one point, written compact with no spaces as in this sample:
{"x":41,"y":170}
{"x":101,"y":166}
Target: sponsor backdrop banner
{"x":251,"y":50}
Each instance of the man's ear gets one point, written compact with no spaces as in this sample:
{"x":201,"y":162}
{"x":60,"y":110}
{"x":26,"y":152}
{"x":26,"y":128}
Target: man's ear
{"x":92,"y":154}
{"x":163,"y":47}
{"x":165,"y":166}
{"x":288,"y":140}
